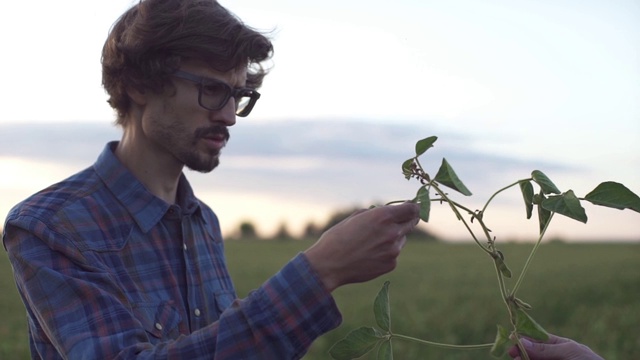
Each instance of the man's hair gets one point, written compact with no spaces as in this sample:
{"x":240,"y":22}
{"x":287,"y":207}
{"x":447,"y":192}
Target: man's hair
{"x":149,"y":41}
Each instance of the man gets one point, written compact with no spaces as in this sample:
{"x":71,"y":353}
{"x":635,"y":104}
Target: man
{"x":122,"y":260}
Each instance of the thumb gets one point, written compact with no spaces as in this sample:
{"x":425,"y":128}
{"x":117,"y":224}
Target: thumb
{"x":404,"y":212}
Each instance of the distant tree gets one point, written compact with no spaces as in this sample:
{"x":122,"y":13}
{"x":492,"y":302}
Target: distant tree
{"x":283,"y":233}
{"x":557,"y":240}
{"x":311,"y":231}
{"x":247,"y":230}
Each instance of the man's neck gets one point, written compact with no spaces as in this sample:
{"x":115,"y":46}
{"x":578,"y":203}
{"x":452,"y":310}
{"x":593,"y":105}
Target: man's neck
{"x":158,"y":171}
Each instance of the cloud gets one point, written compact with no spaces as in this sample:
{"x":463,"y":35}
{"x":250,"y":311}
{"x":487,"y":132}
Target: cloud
{"x":335,"y":140}
{"x":65,"y":142}
{"x":317,"y":160}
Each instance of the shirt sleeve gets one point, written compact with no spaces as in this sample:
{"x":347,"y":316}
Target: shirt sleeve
{"x":77,"y":310}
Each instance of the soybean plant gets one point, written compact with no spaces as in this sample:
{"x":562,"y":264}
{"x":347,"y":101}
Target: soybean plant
{"x":547,"y":201}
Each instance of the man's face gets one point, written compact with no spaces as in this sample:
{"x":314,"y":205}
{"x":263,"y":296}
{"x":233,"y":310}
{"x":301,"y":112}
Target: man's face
{"x":176,"y":124}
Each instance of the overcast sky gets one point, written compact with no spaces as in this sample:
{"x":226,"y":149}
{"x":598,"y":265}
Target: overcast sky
{"x":550,"y":84}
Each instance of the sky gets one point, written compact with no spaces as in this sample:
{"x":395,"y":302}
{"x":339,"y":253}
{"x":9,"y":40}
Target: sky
{"x":508,"y":86}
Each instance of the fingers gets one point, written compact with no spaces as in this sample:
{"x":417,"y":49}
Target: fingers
{"x":360,"y":211}
{"x":556,"y":348}
{"x":405,"y":212}
{"x":551,"y":351}
{"x":554,"y":339}
{"x":363,"y":246}
{"x":408,"y":226}
{"x":398,"y":219}
{"x":402,"y":242}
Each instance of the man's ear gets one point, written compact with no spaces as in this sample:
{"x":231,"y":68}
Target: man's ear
{"x":139,"y":97}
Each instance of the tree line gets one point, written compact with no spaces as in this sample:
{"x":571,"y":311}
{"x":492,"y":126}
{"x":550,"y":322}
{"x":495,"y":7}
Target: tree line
{"x":248,"y":231}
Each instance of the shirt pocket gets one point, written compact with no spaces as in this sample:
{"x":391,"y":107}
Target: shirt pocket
{"x":159,"y":319}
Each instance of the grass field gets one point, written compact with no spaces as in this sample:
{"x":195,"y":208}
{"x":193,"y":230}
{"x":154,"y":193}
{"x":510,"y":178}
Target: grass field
{"x":446,"y":293}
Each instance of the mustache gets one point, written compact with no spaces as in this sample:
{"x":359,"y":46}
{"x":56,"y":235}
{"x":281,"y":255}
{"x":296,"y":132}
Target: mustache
{"x":213,"y":130}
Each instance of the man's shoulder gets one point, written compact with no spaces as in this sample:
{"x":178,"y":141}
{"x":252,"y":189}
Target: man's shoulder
{"x":47,"y":203}
{"x":80,"y":209}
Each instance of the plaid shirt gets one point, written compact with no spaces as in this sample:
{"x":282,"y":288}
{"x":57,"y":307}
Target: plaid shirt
{"x":107,"y":270}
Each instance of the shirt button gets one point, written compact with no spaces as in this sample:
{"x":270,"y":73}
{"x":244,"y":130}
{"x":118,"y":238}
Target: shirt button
{"x":184,"y":246}
{"x":158,"y":326}
{"x":197,"y":312}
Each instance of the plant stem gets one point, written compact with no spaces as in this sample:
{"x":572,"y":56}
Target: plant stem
{"x":455,"y":210}
{"x":531,"y":255}
{"x":493,"y":253}
{"x":523,"y":352}
{"x":446,"y":346}
{"x":485,"y":229}
{"x":502,"y":286}
{"x":501,"y":190}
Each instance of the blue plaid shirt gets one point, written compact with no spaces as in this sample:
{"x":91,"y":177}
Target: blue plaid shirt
{"x":107,"y":270}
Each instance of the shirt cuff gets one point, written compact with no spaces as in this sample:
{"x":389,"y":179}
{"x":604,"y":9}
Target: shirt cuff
{"x":303,"y":307}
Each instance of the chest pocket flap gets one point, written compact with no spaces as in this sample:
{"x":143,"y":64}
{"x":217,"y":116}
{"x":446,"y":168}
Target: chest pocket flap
{"x":159,"y":319}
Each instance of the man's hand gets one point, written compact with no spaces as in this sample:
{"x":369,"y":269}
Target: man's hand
{"x":556,"y":348}
{"x":363,"y":246}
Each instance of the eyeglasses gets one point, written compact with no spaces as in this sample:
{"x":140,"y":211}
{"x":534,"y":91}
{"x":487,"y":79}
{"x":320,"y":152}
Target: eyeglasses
{"x":214,"y":94}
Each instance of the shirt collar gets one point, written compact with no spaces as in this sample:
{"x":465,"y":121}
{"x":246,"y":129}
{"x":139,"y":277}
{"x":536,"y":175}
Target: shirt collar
{"x":145,"y":208}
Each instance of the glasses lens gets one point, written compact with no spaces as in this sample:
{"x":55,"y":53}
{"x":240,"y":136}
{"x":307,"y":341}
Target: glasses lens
{"x":245,"y":101}
{"x":242,"y":104}
{"x":214,"y":95}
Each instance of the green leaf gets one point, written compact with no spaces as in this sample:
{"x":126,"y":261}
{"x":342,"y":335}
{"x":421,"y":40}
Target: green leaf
{"x":357,"y":343}
{"x":502,"y":340}
{"x":447,"y":176}
{"x":527,"y":194}
{"x":423,"y":145}
{"x":406,"y":168}
{"x":504,"y":269}
{"x":537,"y":198}
{"x":381,"y":308}
{"x":425,"y":203}
{"x":566,"y":204}
{"x":543,"y":214}
{"x":385,"y":351}
{"x":525,"y":325}
{"x":380,"y":334}
{"x":614,"y":195}
{"x":547,"y":186}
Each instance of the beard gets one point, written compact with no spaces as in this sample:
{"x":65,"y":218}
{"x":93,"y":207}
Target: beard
{"x":182,"y":143}
{"x":194,"y":160}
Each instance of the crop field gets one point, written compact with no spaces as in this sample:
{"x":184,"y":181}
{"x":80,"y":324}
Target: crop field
{"x":446,"y":293}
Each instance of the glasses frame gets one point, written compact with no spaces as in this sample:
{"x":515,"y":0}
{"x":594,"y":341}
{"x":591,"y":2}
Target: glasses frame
{"x":231,"y":92}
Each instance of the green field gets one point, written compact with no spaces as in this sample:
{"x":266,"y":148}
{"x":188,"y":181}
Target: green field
{"x":446,"y":293}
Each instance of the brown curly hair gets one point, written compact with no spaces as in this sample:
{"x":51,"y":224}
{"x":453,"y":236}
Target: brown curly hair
{"x":148,"y":42}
